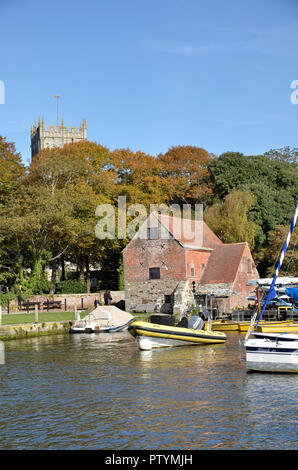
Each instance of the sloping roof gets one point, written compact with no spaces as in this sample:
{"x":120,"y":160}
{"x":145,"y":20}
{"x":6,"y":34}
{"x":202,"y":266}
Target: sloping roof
{"x":223,"y":264}
{"x":190,"y":233}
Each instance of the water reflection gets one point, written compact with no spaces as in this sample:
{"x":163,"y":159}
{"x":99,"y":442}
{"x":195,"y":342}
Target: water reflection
{"x":2,"y":352}
{"x":99,"y":391}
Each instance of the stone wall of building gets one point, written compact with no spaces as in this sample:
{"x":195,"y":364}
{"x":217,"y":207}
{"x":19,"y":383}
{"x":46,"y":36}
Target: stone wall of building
{"x":160,"y":295}
{"x":55,"y":136}
{"x":183,"y":298}
{"x":150,"y":295}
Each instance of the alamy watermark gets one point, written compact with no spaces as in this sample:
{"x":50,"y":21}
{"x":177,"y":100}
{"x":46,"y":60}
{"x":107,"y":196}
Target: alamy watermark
{"x":159,"y":221}
{"x":2,"y":93}
{"x":294,"y":94}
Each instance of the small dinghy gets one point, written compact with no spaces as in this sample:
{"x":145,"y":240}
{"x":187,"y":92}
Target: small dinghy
{"x":186,"y":333}
{"x":109,"y":319}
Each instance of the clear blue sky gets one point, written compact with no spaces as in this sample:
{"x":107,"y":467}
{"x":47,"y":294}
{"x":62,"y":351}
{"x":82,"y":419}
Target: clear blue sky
{"x":151,"y":74}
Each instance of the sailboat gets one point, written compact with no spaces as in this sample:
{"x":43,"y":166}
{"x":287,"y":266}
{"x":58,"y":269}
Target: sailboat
{"x":272,"y":352}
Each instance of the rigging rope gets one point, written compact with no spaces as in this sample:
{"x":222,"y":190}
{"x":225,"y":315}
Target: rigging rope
{"x":271,"y":293}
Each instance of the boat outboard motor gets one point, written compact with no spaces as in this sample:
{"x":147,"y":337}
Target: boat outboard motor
{"x":196,"y":323}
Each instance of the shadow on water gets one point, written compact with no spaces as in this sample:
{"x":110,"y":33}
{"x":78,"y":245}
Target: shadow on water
{"x":101,"y":392}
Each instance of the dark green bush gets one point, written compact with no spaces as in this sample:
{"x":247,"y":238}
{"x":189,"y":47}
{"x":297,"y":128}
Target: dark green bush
{"x":71,"y":286}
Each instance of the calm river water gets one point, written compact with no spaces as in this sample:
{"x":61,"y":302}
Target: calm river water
{"x":101,"y":392}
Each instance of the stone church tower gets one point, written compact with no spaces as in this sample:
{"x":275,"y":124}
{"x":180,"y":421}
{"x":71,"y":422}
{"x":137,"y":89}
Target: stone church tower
{"x":55,"y":136}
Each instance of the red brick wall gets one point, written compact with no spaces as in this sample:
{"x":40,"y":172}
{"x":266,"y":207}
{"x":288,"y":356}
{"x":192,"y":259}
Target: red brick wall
{"x":246,"y":271}
{"x":197,"y":259}
{"x":140,"y":255}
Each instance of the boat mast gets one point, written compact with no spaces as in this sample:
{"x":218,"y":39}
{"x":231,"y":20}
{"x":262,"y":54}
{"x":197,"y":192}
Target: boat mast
{"x":271,"y":293}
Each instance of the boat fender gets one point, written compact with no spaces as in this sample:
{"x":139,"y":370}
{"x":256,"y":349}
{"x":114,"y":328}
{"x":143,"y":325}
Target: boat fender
{"x":144,"y":344}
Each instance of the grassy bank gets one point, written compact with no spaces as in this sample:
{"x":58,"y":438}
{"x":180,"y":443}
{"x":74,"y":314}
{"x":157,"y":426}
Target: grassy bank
{"x":43,"y":317}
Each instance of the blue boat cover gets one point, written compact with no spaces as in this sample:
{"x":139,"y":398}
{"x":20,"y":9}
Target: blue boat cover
{"x":292,"y":292}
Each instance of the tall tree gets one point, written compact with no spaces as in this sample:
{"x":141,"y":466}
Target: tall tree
{"x":11,"y":167}
{"x":185,"y":174}
{"x":228,"y":219}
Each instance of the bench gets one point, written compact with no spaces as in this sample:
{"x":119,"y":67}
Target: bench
{"x":30,"y":305}
{"x":49,"y":304}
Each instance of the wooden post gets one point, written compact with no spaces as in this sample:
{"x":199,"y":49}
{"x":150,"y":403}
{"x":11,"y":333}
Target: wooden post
{"x":77,"y":314}
{"x":47,"y":305}
{"x":36,"y":313}
{"x":0,"y":315}
{"x":65,"y":305}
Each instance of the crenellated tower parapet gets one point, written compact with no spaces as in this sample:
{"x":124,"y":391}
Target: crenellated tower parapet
{"x":55,"y":136}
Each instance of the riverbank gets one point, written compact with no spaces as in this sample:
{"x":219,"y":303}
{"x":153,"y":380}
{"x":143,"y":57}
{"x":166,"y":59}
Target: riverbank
{"x":21,"y":325}
{"x":30,"y":330}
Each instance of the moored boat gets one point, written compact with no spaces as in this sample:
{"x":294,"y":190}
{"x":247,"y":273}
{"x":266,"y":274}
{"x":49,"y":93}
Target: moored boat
{"x":292,"y":328}
{"x":272,"y":352}
{"x":152,"y":335}
{"x":109,"y":319}
{"x":244,"y":326}
{"x":225,"y":325}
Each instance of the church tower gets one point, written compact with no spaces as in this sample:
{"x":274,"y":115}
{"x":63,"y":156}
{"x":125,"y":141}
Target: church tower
{"x":55,"y":136}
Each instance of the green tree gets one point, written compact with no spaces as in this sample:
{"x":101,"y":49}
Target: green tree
{"x":228,"y":219}
{"x":273,"y":182}
{"x":12,"y":169}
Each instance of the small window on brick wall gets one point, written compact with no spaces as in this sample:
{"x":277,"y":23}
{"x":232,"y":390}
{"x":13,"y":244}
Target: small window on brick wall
{"x":192,"y":272}
{"x":154,"y":273}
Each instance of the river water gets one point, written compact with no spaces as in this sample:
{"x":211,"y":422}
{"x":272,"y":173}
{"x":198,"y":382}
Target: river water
{"x":100,"y":392}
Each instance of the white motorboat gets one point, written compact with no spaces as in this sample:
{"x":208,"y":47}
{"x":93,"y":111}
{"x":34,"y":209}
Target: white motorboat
{"x":109,"y":319}
{"x":272,"y":352}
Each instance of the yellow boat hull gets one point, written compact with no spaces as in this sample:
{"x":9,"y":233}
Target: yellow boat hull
{"x":243,"y":326}
{"x":164,"y":335}
{"x":224,"y":326}
{"x":277,"y":329}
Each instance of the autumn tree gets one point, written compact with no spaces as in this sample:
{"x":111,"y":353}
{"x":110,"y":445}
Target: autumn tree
{"x":12,"y":173}
{"x":185,"y":175}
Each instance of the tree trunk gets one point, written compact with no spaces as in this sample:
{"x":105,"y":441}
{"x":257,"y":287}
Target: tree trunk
{"x":62,"y":269}
{"x":88,"y":280}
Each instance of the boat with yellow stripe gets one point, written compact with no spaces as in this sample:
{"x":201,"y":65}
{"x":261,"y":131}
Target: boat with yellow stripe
{"x":152,"y":335}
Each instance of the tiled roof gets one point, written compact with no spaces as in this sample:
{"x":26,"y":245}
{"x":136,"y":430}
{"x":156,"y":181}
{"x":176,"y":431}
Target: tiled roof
{"x":223,"y":264}
{"x":190,"y":233}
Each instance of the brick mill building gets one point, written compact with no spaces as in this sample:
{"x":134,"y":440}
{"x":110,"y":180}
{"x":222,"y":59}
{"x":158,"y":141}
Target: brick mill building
{"x":168,"y":254}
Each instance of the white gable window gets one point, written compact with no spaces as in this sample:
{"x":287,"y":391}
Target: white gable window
{"x":152,"y":233}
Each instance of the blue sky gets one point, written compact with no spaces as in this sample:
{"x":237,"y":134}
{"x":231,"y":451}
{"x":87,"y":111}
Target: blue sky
{"x":148,"y":75}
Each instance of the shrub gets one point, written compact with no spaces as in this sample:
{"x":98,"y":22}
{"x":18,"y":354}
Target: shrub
{"x":71,"y":286}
